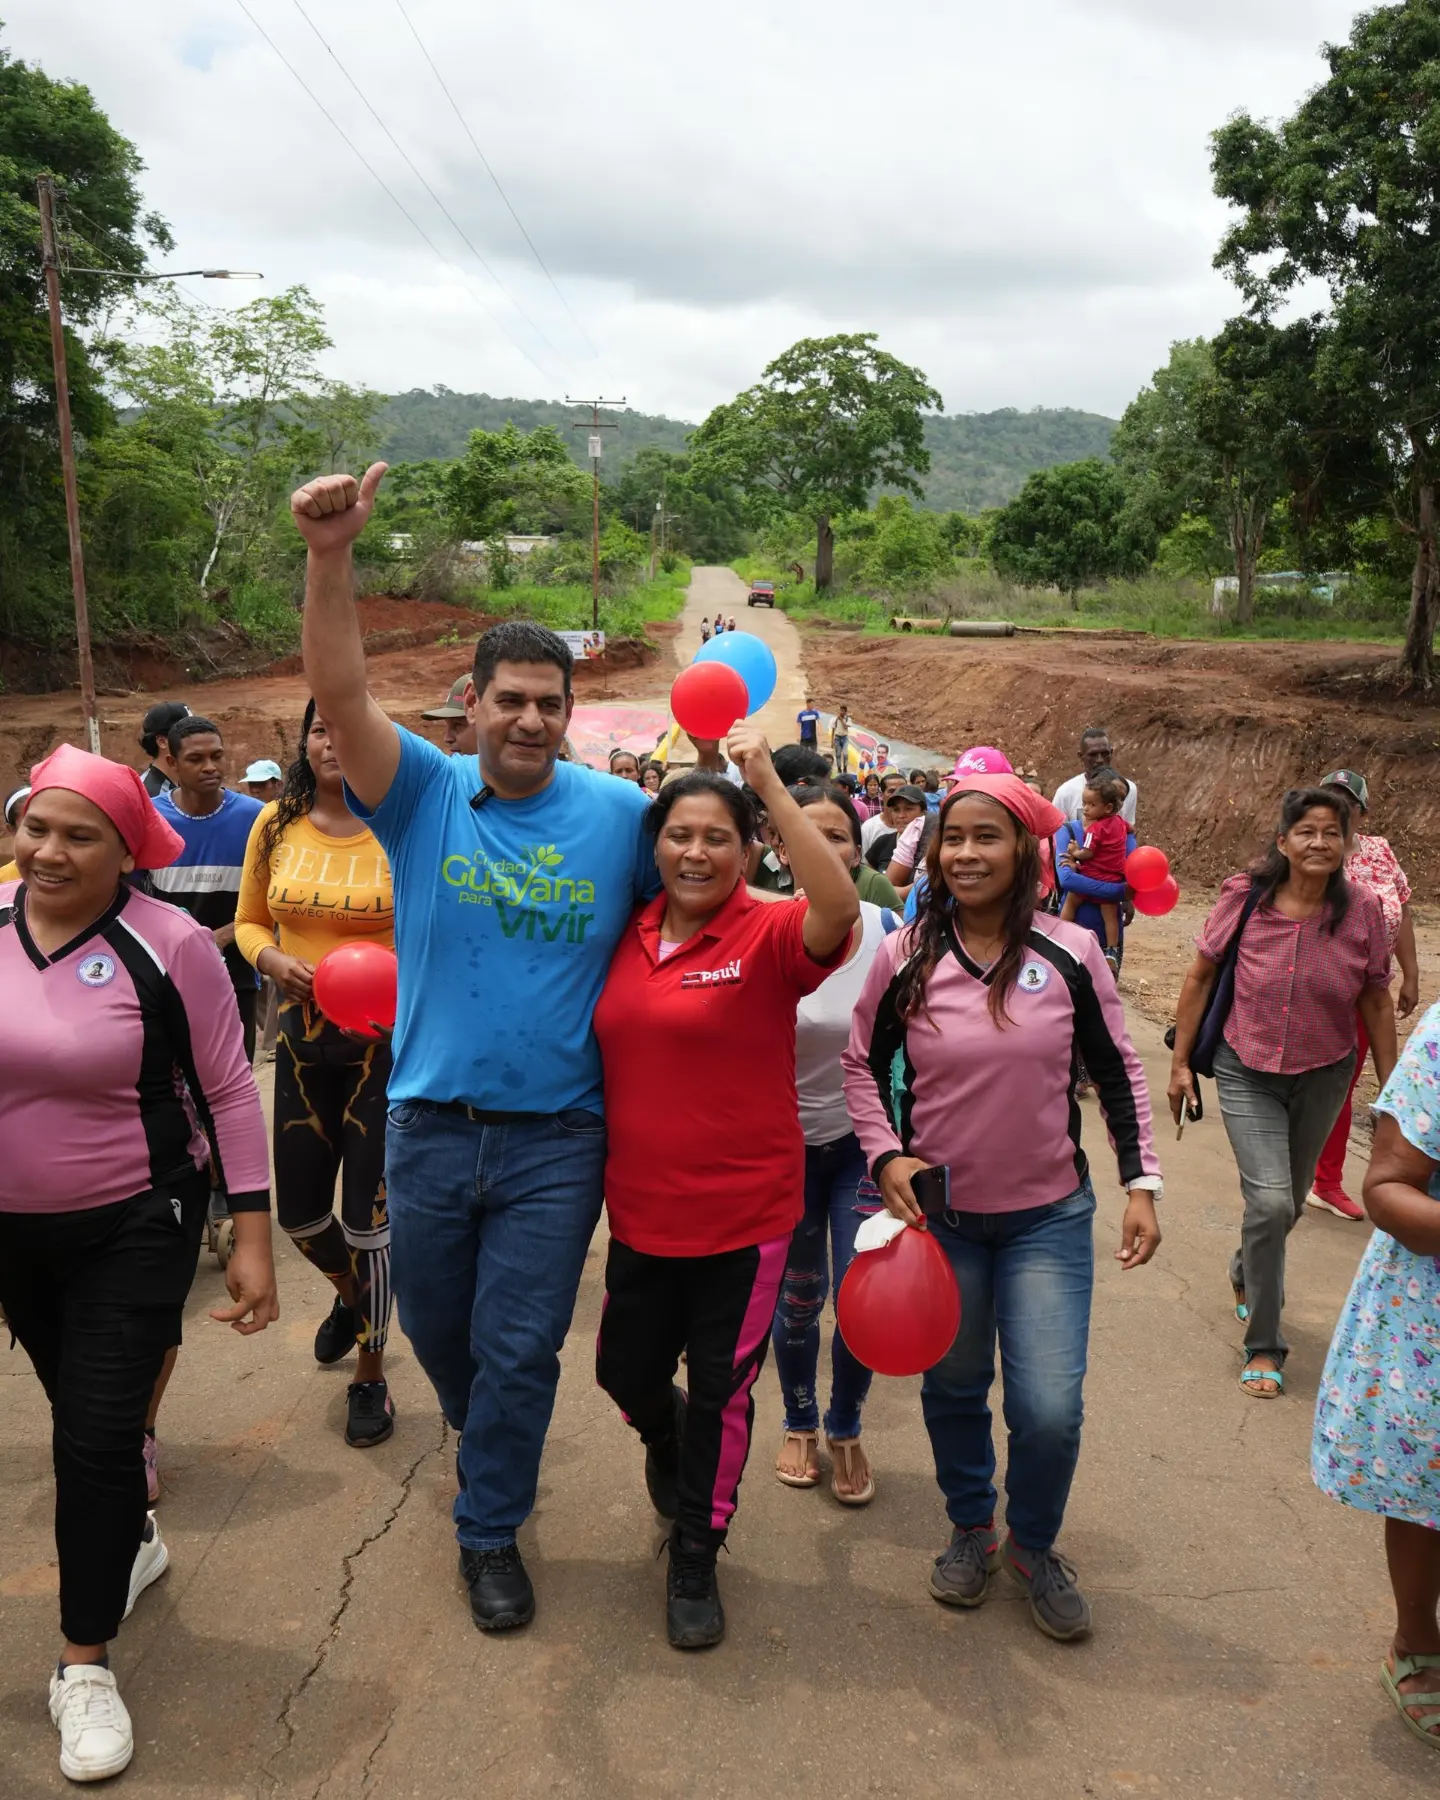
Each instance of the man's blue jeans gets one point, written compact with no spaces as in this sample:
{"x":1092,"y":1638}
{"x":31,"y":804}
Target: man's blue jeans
{"x":833,"y":1213}
{"x":489,"y":1225}
{"x":1028,"y":1276}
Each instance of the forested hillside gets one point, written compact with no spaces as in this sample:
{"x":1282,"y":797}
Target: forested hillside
{"x":977,"y":459}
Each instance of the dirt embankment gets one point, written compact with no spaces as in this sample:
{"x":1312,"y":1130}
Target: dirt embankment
{"x":1213,"y":734}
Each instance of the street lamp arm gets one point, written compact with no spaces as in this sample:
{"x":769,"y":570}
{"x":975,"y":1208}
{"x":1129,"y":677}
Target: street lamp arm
{"x":171,"y":274}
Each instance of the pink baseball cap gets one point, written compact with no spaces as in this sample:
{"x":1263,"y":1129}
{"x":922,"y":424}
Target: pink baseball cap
{"x":982,"y":759}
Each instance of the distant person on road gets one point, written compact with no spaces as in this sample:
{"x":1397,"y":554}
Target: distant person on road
{"x":840,"y":739}
{"x":730,"y":623}
{"x":1310,"y":950}
{"x":1373,"y":1445}
{"x":1373,"y":864}
{"x":154,"y":730}
{"x":705,"y":632}
{"x":707,"y":977}
{"x":263,"y":781}
{"x":961,"y":1055}
{"x":1095,"y":754}
{"x":122,"y":1073}
{"x":316,"y":878}
{"x":808,"y":719}
{"x":458,"y":738}
{"x":514,"y":881}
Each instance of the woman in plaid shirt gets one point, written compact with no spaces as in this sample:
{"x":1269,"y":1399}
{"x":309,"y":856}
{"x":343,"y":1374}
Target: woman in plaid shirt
{"x":1313,"y":951}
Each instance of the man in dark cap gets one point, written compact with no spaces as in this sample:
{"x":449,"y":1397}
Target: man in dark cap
{"x":154,"y":729}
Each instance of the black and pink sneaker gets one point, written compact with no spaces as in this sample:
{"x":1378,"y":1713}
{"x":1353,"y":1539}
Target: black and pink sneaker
{"x":370,"y":1416}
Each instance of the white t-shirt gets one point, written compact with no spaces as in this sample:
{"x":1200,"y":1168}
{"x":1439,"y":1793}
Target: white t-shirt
{"x":1070,"y":798}
{"x":872,"y":828}
{"x":822,"y":1030}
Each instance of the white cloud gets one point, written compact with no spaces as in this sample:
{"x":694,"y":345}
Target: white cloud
{"x":1016,"y":198}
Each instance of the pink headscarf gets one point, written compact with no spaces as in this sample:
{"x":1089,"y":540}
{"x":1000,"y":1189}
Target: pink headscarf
{"x":1034,"y":811}
{"x":982,"y":759}
{"x":119,"y":793}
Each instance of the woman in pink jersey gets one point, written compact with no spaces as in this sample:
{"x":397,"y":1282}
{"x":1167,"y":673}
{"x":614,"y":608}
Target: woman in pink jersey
{"x":962,"y":1053}
{"x":115,"y":996}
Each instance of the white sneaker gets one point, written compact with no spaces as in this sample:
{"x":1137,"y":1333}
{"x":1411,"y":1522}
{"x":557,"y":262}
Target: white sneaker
{"x":151,"y":1561}
{"x":96,"y":1740}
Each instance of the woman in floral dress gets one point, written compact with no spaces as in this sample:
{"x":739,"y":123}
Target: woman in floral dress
{"x":1377,"y":1423}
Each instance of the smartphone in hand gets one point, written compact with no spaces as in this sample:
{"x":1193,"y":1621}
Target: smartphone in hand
{"x":931,"y":1188}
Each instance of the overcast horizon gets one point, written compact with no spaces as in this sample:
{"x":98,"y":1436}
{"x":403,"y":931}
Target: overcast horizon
{"x":1020,"y":205}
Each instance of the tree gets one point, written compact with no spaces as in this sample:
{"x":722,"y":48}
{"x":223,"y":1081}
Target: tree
{"x":55,"y":128}
{"x":702,"y":517}
{"x":906,"y":549}
{"x":1064,"y":529}
{"x":511,"y":480}
{"x":1224,"y":431}
{"x":831,"y":420}
{"x":1347,"y":192}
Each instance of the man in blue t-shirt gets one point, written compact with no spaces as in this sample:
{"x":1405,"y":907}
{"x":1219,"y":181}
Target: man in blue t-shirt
{"x":515,"y":875}
{"x":809,"y":722}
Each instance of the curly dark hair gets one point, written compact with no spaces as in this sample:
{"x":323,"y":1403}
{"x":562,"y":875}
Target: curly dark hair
{"x":296,"y":797}
{"x":1272,"y":870}
{"x":936,"y":932}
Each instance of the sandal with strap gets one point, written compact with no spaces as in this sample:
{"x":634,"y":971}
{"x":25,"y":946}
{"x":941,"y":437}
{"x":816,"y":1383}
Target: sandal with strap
{"x":842,"y":1456}
{"x":1253,"y":1374}
{"x":811,"y":1477}
{"x":1390,"y":1679}
{"x":1242,"y":1310}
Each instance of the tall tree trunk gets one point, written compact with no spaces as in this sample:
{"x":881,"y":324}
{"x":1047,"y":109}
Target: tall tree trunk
{"x":1417,"y":660}
{"x":824,"y":554}
{"x":1247,"y":534}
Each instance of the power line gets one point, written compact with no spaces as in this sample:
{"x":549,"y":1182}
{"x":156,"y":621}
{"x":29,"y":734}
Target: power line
{"x":389,"y":192}
{"x":485,"y":164}
{"x":410,"y":164}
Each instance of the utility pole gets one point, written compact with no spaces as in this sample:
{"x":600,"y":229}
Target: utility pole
{"x":46,"y":191}
{"x":594,"y":427}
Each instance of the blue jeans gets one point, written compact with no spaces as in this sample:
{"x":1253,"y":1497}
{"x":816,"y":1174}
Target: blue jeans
{"x":833,"y":1211}
{"x":489,"y":1225}
{"x":1029,"y":1276}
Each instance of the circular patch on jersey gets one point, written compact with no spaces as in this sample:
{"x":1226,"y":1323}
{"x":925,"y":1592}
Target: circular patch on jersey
{"x":96,"y":970}
{"x":1033,"y":978}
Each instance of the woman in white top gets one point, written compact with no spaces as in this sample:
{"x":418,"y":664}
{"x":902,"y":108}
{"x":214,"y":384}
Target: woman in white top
{"x":838,"y":1195}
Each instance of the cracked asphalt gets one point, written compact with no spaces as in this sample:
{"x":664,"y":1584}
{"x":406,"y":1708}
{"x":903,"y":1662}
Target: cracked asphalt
{"x":311,"y":1637}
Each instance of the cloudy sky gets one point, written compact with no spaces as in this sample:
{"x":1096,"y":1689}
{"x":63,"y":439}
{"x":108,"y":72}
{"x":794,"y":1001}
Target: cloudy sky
{"x":1016,"y":197}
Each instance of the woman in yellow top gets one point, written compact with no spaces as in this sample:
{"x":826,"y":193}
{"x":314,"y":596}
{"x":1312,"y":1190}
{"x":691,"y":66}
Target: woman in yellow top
{"x":315,"y":877}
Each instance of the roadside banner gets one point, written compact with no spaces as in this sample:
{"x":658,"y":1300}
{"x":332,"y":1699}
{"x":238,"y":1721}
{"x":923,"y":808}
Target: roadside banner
{"x":583,"y":645}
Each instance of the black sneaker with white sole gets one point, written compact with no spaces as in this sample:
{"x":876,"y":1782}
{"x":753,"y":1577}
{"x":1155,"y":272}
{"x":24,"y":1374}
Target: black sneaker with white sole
{"x":338,"y":1335}
{"x":694,"y":1617}
{"x":662,"y":1462}
{"x":501,"y":1596}
{"x":370,"y":1414}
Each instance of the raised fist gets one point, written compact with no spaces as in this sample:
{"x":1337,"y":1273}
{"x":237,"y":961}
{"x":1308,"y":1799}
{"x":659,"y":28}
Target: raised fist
{"x":333,"y":510}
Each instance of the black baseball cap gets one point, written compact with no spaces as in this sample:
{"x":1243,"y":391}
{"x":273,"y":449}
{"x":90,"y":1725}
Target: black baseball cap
{"x":157,"y":723}
{"x":915,"y":795}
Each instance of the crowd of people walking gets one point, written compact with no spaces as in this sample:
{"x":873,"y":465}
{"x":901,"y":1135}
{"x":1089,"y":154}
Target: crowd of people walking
{"x":859,"y":977}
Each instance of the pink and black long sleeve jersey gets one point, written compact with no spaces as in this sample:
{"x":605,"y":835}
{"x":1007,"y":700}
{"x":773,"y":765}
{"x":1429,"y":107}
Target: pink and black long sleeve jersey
{"x":997,"y":1103}
{"x":122,"y":1063}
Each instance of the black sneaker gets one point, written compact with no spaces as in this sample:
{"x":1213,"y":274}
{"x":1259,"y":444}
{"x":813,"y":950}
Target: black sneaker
{"x":694,"y":1617}
{"x":662,"y":1463}
{"x":501,"y":1596}
{"x":339,"y":1334}
{"x":370,"y":1417}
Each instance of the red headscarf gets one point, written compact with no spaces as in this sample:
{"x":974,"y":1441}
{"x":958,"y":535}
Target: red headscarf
{"x":119,"y":793}
{"x":1034,"y":811}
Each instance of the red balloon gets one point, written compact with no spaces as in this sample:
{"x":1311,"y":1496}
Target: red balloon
{"x":707,"y":699}
{"x":1146,"y":868}
{"x":1156,"y":901}
{"x":355,"y":987}
{"x":899,"y":1307}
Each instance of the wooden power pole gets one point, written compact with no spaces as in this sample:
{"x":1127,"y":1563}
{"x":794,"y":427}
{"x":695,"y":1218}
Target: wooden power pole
{"x":594,"y":427}
{"x":51,"y":261}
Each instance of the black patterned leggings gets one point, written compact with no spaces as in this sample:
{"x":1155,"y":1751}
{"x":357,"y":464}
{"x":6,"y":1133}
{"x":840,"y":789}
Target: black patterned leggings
{"x":330,"y":1121}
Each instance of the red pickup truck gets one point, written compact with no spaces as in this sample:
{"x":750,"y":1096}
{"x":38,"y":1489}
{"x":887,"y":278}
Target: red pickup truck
{"x":762,"y":593}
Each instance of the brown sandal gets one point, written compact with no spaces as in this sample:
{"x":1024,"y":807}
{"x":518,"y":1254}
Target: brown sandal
{"x":841,"y":1454}
{"x":811,"y":1477}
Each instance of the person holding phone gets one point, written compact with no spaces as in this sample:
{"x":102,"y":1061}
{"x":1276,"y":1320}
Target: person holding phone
{"x":962,"y":1056}
{"x":704,"y":1193}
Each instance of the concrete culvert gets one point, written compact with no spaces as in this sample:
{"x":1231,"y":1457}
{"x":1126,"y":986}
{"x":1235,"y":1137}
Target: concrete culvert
{"x":981,"y":628}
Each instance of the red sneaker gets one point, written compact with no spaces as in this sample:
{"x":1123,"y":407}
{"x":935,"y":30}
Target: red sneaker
{"x":1335,"y":1200}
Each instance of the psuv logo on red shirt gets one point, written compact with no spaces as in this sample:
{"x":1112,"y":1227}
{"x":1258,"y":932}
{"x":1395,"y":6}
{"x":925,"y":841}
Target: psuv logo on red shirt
{"x":725,"y":976}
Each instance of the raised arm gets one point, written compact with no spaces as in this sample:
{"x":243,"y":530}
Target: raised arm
{"x":330,"y":513}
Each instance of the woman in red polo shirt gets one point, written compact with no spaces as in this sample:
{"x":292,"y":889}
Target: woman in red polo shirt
{"x":1311,"y":952}
{"x":704,"y":1193}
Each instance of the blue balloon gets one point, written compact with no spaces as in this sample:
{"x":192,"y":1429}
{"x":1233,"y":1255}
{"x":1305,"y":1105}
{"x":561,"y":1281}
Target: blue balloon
{"x":750,"y":657}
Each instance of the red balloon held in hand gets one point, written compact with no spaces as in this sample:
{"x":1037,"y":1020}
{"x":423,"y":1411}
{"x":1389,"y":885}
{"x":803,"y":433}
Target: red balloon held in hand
{"x":355,"y":987}
{"x":708,"y":698}
{"x":1146,"y":868}
{"x":898,"y":1308}
{"x":1157,"y":901}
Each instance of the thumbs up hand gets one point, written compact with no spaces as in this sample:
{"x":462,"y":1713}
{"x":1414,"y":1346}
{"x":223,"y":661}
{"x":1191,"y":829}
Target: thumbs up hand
{"x":333,"y":510}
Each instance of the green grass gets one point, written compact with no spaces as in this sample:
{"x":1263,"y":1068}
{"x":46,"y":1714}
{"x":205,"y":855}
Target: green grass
{"x":568,"y":607}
